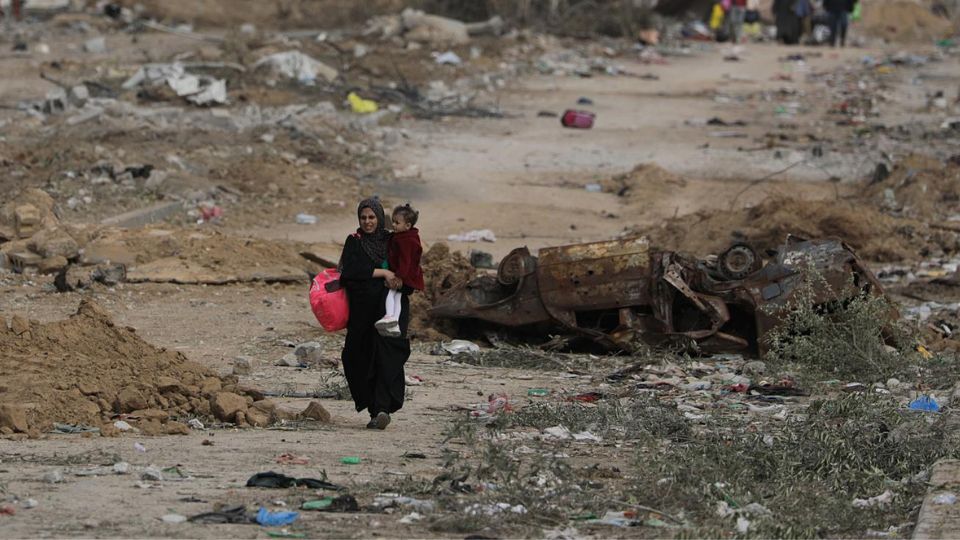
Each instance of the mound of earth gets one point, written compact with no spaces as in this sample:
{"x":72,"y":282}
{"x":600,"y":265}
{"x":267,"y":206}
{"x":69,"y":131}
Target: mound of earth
{"x":919,"y":187}
{"x":281,"y":14}
{"x":645,"y":181}
{"x":442,"y":271}
{"x":903,"y":21}
{"x":86,"y":369}
{"x":876,"y":236}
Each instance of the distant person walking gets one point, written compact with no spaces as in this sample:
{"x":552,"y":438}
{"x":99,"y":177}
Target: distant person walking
{"x":838,"y":12}
{"x":735,"y":16}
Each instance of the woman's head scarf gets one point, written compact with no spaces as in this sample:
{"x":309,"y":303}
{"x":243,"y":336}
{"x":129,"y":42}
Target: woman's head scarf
{"x":375,"y":243}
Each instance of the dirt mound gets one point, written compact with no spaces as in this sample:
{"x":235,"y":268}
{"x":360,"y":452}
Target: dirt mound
{"x":645,"y":181}
{"x":919,"y":187}
{"x":903,"y":21}
{"x":874,"y":235}
{"x":85,"y":369}
{"x":280,"y":14}
{"x":442,"y":270}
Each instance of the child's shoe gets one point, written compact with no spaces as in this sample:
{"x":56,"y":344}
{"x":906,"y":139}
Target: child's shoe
{"x":384,"y":323}
{"x":393,"y":330}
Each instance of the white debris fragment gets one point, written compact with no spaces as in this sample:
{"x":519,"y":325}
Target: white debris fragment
{"x":296,"y":65}
{"x":880,"y":500}
{"x":485,"y":235}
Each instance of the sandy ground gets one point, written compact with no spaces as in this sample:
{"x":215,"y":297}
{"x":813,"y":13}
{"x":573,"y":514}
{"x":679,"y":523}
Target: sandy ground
{"x":521,"y":177}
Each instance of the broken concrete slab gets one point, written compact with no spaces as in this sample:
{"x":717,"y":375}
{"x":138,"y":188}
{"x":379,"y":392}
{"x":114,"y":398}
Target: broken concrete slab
{"x":144,"y":216}
{"x":176,"y":270}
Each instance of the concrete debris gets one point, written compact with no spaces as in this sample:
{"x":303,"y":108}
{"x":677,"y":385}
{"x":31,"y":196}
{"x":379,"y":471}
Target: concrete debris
{"x":197,"y":89}
{"x":298,"y":66}
{"x":97,"y":45}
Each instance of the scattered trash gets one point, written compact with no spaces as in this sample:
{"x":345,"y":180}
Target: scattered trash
{"x":460,"y":346}
{"x":577,"y":119}
{"x":593,"y":188}
{"x":285,"y":534}
{"x":279,"y":481}
{"x":584,"y":101}
{"x":411,"y":518}
{"x":30,"y":503}
{"x":7,"y":510}
{"x":448,"y":58}
{"x":152,"y":474}
{"x":53,"y":477}
{"x":139,"y":447}
{"x":586,"y":436}
{"x":343,"y":503}
{"x":350,"y":460}
{"x":481,"y":259}
{"x":231,"y":514}
{"x":617,"y":519}
{"x":73,"y":428}
{"x":97,"y":45}
{"x":122,"y":426}
{"x":557,"y":432}
{"x":391,"y":500}
{"x":945,"y":498}
{"x":484,"y":235}
{"x":925,"y":403}
{"x":276,"y":519}
{"x":880,"y":500}
{"x":173,"y":518}
{"x":498,"y":403}
{"x":478,"y":509}
{"x":306,"y":219}
{"x":195,"y":424}
{"x":538,"y":392}
{"x":121,"y":467}
{"x":296,"y":65}
{"x":360,"y":105}
{"x":291,"y":459}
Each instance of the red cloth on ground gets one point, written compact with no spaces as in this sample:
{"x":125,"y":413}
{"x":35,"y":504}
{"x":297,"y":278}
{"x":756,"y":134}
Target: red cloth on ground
{"x":403,"y":255}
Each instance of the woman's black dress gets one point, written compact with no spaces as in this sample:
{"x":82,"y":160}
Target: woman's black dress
{"x":373,"y":364}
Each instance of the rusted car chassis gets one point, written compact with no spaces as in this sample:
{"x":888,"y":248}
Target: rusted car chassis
{"x":620,"y":293}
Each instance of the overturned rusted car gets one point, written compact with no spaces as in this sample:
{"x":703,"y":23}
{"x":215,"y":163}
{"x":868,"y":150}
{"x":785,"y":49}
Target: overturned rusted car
{"x":620,"y":293}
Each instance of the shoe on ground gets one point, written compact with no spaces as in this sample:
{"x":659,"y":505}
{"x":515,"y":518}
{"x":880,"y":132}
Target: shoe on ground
{"x":372,"y":424}
{"x":385,"y":322}
{"x":381,"y":420}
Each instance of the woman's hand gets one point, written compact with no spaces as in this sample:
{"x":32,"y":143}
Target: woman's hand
{"x":395,"y":283}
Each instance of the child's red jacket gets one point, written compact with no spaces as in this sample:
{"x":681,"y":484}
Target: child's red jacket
{"x":403,"y":256}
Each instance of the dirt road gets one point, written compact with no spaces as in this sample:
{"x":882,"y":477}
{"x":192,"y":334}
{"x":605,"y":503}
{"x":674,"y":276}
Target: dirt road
{"x":523,"y":177}
{"x":710,"y":124}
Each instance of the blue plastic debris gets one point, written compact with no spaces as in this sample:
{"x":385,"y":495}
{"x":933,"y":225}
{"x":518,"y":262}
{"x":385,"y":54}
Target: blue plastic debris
{"x":925,"y":403}
{"x":276,"y":519}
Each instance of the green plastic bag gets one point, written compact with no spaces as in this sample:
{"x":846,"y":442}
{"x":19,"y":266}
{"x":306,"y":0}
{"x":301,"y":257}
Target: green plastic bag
{"x":855,"y":16}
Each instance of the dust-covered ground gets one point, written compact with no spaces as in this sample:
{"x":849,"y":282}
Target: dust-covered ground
{"x":157,"y":347}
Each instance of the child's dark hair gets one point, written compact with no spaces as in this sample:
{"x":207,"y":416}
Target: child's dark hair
{"x":408,"y":213}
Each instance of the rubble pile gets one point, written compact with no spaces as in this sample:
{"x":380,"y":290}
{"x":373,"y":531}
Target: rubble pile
{"x":31,"y":234}
{"x":86,"y":369}
{"x":875,"y":235}
{"x":442,"y":271}
{"x":919,"y":187}
{"x":902,"y":21}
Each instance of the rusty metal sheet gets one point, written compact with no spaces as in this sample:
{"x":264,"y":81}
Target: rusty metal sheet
{"x":598,"y":275}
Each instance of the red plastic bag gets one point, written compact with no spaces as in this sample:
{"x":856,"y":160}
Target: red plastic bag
{"x":328,"y":300}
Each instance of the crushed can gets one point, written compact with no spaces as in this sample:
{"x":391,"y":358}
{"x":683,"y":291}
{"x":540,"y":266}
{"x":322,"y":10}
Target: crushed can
{"x":577,"y":119}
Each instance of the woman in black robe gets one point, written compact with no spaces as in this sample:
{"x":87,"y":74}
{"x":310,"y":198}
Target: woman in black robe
{"x":373,"y":364}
